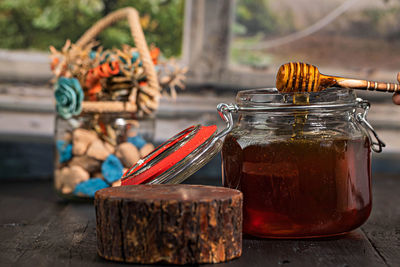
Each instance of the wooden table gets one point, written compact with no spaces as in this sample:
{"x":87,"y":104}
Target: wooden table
{"x":38,"y":229}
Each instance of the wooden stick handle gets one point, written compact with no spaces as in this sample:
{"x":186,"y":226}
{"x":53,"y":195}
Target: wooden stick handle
{"x":366,"y":85}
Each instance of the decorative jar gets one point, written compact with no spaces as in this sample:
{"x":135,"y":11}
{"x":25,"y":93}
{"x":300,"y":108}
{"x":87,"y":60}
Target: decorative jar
{"x":93,"y":150}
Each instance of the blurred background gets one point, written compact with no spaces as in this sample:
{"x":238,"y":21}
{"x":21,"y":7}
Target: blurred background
{"x":228,"y":46}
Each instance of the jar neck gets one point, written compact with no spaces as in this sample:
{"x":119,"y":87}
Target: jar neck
{"x":315,"y":119}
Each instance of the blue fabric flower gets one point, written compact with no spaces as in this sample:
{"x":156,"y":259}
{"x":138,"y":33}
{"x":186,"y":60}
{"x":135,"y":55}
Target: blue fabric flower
{"x":135,"y":56}
{"x":69,"y":97}
{"x":64,"y":151}
{"x":112,"y":169}
{"x":89,"y":187}
{"x":137,"y":141}
{"x":92,"y":54}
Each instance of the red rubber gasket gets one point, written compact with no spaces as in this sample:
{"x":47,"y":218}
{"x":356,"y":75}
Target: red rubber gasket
{"x":203,"y":134}
{"x":158,"y":150}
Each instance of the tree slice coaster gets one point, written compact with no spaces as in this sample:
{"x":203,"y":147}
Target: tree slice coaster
{"x":177,"y":224}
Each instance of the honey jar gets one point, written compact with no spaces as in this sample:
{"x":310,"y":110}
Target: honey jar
{"x":301,"y":160}
{"x":304,"y":167}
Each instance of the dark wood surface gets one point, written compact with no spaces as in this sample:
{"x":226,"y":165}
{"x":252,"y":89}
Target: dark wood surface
{"x":38,"y":229}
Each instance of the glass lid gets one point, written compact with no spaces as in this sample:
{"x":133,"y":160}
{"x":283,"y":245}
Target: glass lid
{"x":180,"y":156}
{"x":272,"y":99}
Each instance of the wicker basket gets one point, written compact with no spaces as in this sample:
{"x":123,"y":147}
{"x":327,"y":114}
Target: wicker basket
{"x":132,"y":16}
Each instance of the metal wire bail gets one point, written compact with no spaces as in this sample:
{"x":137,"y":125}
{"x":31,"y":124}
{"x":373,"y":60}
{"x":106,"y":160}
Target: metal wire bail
{"x":377,"y":144}
{"x":225,"y":111}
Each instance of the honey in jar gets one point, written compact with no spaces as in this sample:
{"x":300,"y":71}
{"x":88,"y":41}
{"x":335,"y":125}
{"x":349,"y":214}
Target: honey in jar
{"x":299,"y":181}
{"x":300,"y":188}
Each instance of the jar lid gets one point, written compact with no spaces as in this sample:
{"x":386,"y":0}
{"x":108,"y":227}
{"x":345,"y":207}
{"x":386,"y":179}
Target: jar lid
{"x":180,"y":156}
{"x":270,"y":99}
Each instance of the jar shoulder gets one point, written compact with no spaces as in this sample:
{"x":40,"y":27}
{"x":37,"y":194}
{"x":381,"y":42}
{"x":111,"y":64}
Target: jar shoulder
{"x":263,"y":134}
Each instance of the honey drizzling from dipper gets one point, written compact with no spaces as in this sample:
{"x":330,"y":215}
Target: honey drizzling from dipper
{"x":303,"y":77}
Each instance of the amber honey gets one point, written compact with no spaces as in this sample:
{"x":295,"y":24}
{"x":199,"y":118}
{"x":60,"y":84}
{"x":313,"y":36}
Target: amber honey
{"x":300,"y":188}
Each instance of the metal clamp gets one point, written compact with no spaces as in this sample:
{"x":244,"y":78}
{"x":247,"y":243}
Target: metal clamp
{"x":361,"y":118}
{"x":225,"y":111}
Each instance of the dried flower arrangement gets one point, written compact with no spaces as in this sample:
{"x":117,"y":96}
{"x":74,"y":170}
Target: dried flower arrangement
{"x":110,"y":75}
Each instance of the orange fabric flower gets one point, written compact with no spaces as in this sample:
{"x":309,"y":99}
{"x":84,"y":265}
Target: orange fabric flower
{"x":94,"y":75}
{"x":154,"y":54}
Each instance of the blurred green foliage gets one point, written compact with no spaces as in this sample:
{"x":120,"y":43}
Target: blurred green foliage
{"x":258,"y":20}
{"x":255,"y":16}
{"x":254,"y":21}
{"x":36,"y":24}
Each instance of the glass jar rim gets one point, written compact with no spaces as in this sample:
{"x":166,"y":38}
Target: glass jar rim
{"x":270,"y":98}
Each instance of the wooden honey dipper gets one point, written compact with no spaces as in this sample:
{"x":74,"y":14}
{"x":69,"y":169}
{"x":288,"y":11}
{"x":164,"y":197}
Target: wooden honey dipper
{"x":303,"y":77}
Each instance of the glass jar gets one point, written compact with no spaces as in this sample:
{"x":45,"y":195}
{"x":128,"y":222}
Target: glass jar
{"x":302,"y":162}
{"x":94,"y":150}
